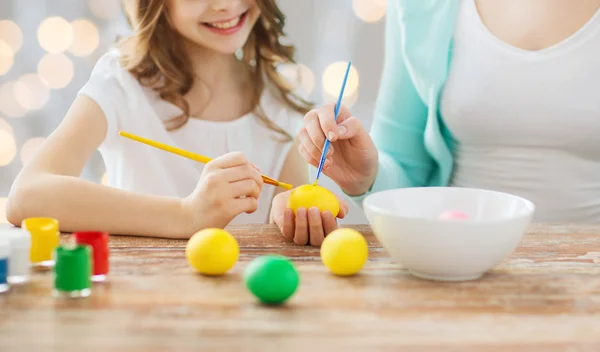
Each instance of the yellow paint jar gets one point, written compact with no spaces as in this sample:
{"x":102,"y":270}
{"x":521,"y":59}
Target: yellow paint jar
{"x":45,"y":238}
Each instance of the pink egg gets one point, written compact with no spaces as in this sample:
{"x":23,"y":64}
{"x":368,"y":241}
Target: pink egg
{"x":453,"y":215}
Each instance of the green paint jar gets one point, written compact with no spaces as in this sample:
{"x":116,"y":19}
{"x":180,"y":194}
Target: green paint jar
{"x":73,"y":271}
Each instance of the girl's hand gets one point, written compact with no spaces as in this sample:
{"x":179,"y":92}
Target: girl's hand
{"x":308,"y":225}
{"x":229,"y":186}
{"x":352,"y":156}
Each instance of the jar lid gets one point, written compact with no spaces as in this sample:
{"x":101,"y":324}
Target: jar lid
{"x":40,"y":226}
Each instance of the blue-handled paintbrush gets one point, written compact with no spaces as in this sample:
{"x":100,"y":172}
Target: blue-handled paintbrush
{"x":336,"y":113}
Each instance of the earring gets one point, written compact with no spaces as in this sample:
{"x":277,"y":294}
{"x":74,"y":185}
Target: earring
{"x":239,"y":54}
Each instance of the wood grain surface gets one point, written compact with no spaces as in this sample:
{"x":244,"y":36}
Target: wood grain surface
{"x":544,"y":297}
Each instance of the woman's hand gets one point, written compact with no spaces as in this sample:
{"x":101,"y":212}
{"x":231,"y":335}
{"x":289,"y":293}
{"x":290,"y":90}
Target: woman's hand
{"x":352,"y":157}
{"x":307,"y":225}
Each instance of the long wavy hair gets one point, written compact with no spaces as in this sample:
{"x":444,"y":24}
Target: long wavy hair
{"x":154,"y":55}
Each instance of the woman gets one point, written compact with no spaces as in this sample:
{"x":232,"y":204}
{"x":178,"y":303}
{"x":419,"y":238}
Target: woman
{"x":502,"y":95}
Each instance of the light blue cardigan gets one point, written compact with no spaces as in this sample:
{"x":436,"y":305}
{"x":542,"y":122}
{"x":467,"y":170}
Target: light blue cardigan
{"x":415,"y":148}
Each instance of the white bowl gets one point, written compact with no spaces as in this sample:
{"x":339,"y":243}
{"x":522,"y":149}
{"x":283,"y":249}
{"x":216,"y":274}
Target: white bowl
{"x":408,"y":224}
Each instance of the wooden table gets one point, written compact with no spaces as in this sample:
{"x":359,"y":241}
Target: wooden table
{"x":545,"y":297}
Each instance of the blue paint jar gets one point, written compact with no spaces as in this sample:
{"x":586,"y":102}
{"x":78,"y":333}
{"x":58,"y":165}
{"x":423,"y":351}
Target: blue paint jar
{"x":4,"y":254}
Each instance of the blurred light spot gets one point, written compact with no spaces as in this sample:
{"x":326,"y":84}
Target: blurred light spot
{"x":31,"y":92}
{"x":289,"y":72}
{"x":8,"y":148}
{"x":307,"y":78}
{"x":6,"y":57}
{"x":5,"y":126}
{"x":55,"y":35}
{"x":105,"y":9}
{"x":30,"y":148}
{"x":369,"y":10}
{"x":56,"y":70}
{"x":3,"y":219}
{"x":333,"y":77}
{"x":86,"y":38}
{"x":11,"y":34}
{"x":8,"y":104}
{"x":299,"y":74}
{"x":104,"y":180}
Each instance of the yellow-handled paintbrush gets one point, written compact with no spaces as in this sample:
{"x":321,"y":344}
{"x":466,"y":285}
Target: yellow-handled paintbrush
{"x":193,"y":156}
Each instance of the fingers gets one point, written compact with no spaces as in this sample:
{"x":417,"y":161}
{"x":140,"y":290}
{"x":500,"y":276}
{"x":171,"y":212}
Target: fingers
{"x":245,"y":188}
{"x":327,"y":120}
{"x":327,"y":123}
{"x":343,"y":114}
{"x":343,"y":209}
{"x":314,"y":150}
{"x":307,"y":157}
{"x":246,"y":205}
{"x":328,"y":162}
{"x":349,"y":128}
{"x":301,"y":227}
{"x":315,"y":132}
{"x":315,"y":227}
{"x":285,"y":223}
{"x":314,"y":157}
{"x":320,"y":124}
{"x":235,"y":167}
{"x":305,"y":227}
{"x":329,"y":223}
{"x":307,"y":144}
{"x":241,"y":172}
{"x":288,"y":225}
{"x":228,"y":160}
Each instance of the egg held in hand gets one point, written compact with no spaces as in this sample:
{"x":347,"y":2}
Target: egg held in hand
{"x":308,"y":196}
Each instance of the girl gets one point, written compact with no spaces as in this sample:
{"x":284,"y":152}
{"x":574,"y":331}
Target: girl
{"x":501,"y":95}
{"x":176,"y":80}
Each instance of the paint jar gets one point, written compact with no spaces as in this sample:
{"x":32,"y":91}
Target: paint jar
{"x":45,"y":237}
{"x":73,"y":271}
{"x":18,"y":261}
{"x":4,"y":254}
{"x":100,"y":252}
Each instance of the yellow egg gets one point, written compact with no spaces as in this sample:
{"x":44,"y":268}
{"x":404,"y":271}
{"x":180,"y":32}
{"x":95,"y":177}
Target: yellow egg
{"x":308,"y":196}
{"x":212,"y":251}
{"x":344,"y":252}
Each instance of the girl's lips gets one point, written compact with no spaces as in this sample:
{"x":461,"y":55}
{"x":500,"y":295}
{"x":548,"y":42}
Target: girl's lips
{"x":227,"y":27}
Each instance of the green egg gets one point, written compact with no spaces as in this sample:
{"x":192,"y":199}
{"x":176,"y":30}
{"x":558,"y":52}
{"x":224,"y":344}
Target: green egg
{"x":273,"y":279}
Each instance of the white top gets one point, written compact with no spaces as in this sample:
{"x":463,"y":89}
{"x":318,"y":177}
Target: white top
{"x":133,"y":166}
{"x":527,"y":122}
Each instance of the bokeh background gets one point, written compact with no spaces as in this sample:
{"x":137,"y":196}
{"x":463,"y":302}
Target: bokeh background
{"x":49,"y":47}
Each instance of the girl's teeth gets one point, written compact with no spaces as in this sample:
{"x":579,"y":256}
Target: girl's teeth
{"x":226,"y":25}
